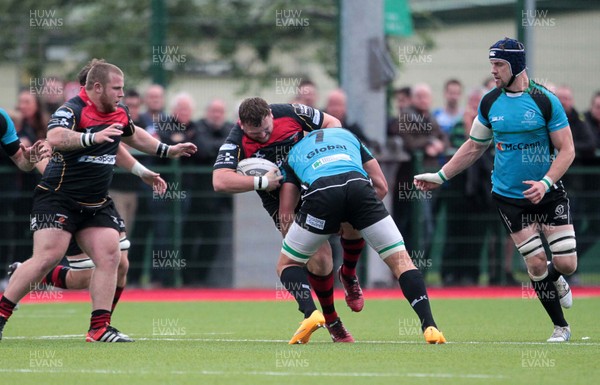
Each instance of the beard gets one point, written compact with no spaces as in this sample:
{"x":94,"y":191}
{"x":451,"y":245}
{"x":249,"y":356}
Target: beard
{"x":107,"y":104}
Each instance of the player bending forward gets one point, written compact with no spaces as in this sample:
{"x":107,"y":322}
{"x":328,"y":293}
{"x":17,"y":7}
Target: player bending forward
{"x":332,"y":169}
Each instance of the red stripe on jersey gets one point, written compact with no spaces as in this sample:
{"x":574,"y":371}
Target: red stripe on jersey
{"x":283,"y":129}
{"x":91,"y":117}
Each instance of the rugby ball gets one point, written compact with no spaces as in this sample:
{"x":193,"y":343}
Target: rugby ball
{"x":255,"y":167}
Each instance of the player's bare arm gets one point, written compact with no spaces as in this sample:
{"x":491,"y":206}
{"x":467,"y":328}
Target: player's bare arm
{"x":465,"y":156}
{"x":227,"y":180}
{"x":141,"y":140}
{"x":126,"y":161}
{"x":562,"y":140}
{"x":330,"y":121}
{"x":376,"y":174}
{"x":289,"y":196}
{"x":26,"y":158}
{"x":65,"y":139}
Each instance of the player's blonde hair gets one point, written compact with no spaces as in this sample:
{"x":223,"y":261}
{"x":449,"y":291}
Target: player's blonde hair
{"x":99,"y":73}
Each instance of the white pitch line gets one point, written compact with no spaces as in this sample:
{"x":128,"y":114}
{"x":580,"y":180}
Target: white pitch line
{"x":185,"y":339}
{"x":253,"y":373}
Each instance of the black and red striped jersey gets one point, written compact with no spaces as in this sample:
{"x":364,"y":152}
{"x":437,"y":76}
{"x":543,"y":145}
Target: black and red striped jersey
{"x":289,"y":123}
{"x":84,"y":174}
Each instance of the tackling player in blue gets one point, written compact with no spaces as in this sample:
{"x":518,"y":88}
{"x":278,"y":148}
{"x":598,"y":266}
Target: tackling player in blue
{"x":25,"y":158}
{"x":332,"y":169}
{"x":534,"y":149}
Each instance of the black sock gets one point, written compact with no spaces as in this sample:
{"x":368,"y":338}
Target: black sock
{"x":548,"y":296}
{"x":6,"y":307}
{"x":100,"y":318}
{"x":413,"y":288}
{"x":553,"y":274}
{"x":295,"y":281}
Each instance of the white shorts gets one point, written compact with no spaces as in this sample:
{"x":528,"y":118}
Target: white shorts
{"x":384,"y":237}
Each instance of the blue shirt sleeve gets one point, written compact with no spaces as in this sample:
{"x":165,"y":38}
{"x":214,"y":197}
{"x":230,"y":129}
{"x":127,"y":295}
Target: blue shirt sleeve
{"x":10,"y":140}
{"x":559,"y":117}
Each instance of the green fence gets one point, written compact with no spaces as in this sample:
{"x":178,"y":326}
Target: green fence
{"x":185,"y":236}
{"x":469,"y":236}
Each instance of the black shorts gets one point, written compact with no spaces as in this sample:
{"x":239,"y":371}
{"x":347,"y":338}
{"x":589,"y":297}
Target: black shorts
{"x":348,"y":197}
{"x":74,"y":248}
{"x":55,"y":210}
{"x":516,"y":214}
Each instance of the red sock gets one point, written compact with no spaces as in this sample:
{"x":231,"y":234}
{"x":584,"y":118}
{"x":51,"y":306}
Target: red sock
{"x":100,"y":318}
{"x":57,"y":277}
{"x":6,"y":307}
{"x":323,"y":287}
{"x":352,"y":250}
{"x":118,"y":293}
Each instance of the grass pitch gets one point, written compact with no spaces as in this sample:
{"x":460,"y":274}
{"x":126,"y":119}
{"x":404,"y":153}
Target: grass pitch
{"x":491,"y":341}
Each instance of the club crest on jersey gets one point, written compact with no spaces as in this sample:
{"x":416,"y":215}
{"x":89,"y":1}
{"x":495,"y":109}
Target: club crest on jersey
{"x":529,"y":115}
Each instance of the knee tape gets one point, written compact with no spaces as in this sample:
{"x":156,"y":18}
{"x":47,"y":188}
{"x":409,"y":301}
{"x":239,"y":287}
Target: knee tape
{"x":531,"y":246}
{"x":562,"y":243}
{"x":124,"y":243}
{"x":81,"y":264}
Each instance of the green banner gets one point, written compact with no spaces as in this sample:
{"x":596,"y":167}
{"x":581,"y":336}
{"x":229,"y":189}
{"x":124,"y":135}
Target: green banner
{"x":397,"y":18}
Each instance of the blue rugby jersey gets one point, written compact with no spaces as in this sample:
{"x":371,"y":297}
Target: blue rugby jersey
{"x":8,"y":134}
{"x":521,"y":124}
{"x":327,"y":152}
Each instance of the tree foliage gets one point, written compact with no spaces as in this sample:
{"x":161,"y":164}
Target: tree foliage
{"x":125,"y":32}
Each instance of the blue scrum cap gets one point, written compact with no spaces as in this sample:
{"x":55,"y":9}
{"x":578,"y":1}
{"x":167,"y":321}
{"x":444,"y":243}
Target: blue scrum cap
{"x":511,"y":51}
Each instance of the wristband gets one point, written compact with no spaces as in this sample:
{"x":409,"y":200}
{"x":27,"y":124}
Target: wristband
{"x":442,"y":176}
{"x":547,"y":181}
{"x":162,"y":150}
{"x":261,"y":182}
{"x":87,"y":140}
{"x":138,"y":169}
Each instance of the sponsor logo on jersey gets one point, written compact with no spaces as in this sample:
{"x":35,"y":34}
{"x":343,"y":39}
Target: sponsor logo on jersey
{"x":517,"y":146}
{"x":329,"y":159}
{"x":100,"y":159}
{"x":303,"y":110}
{"x":227,"y":147}
{"x":224,"y":159}
{"x":329,"y":147}
{"x":496,"y":118}
{"x":63,"y":114}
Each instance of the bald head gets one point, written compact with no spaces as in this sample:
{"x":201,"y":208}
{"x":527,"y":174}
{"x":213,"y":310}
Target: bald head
{"x":565,"y":95}
{"x":421,"y":97}
{"x":183,"y":108}
{"x":336,"y":104}
{"x":215,"y":113}
{"x":154,"y":98}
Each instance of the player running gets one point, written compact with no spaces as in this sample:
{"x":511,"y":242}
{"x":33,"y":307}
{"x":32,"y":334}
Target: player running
{"x":333,"y":168}
{"x":534,"y":149}
{"x":72,"y":198}
{"x":270,"y":131}
{"x":78,"y":273}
